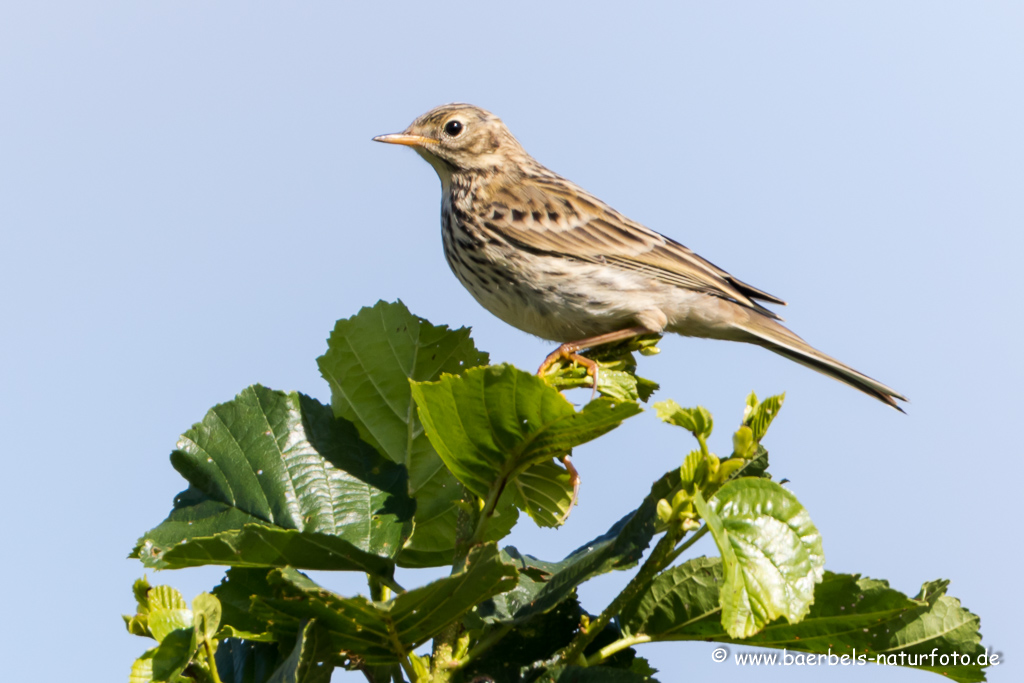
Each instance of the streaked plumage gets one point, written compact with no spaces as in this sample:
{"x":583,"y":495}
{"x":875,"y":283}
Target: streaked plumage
{"x":553,"y":260}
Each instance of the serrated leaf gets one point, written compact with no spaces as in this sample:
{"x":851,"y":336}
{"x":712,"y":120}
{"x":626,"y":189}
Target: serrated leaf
{"x":283,"y":461}
{"x":491,"y":424}
{"x":850,"y":615}
{"x":694,"y":469}
{"x":369,"y":361}
{"x":256,"y":545}
{"x":378,"y":632}
{"x":771,"y":550}
{"x":168,"y":612}
{"x":542,"y":585}
{"x":758,"y":415}
{"x":676,"y":600}
{"x":697,"y":420}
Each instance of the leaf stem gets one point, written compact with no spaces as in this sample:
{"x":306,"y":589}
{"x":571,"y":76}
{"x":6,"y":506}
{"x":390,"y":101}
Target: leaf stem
{"x":619,"y":645}
{"x":657,"y":561}
{"x":685,"y":546}
{"x":703,"y":444}
{"x":490,"y":505}
{"x":408,"y":668}
{"x":379,"y":592}
{"x":445,"y":642}
{"x":214,"y":674}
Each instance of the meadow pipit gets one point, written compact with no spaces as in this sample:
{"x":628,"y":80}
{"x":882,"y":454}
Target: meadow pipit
{"x":547,"y":257}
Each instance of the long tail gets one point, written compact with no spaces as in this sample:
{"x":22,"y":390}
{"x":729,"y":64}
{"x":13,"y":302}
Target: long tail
{"x":773,"y":336}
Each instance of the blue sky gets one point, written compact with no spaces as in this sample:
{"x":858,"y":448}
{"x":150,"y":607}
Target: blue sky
{"x":189,"y":198}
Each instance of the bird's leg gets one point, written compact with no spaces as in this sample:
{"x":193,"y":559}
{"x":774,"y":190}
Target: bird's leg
{"x":574,"y":479}
{"x":568,"y":350}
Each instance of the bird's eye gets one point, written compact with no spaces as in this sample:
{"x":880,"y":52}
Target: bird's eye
{"x":453,"y":128}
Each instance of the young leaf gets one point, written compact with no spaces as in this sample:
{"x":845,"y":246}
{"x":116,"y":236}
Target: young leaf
{"x":771,"y":551}
{"x":369,"y":361}
{"x":491,"y":424}
{"x":758,"y":415}
{"x":206,"y":613}
{"x":173,"y":654}
{"x":616,"y":378}
{"x":695,"y":420}
{"x":283,"y":461}
{"x":168,"y":612}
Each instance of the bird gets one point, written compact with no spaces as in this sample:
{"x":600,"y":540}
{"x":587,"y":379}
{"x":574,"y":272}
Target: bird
{"x":549,"y":258}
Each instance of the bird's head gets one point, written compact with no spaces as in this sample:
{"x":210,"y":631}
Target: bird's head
{"x":457,"y":138}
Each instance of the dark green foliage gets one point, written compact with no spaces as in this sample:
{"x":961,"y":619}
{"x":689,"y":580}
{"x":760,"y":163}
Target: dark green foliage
{"x":425,"y":457}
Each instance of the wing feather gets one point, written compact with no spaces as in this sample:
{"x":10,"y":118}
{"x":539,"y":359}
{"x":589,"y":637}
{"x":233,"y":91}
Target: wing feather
{"x":552,"y":215}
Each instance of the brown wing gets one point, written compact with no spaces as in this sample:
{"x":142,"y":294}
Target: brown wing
{"x":552,"y":215}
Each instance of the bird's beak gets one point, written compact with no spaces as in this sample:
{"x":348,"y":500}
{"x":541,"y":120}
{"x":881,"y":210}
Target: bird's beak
{"x":403,"y":139}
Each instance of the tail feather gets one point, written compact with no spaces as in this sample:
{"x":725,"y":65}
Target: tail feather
{"x":774,"y":337}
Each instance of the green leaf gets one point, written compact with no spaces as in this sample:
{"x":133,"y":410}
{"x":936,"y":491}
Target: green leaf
{"x":695,"y":420}
{"x":758,"y":415}
{"x":535,"y":640}
{"x":771,"y":550}
{"x":379,"y":632}
{"x":616,"y":377}
{"x":168,"y":612}
{"x":676,"y":600}
{"x":256,"y":545}
{"x":545,"y":491}
{"x":139,"y":623}
{"x":850,"y":615}
{"x":543,"y":585}
{"x":176,"y":650}
{"x":523,"y":651}
{"x":235,"y":593}
{"x":142,"y":668}
{"x":743,"y":444}
{"x":280,"y":460}
{"x":247,"y":662}
{"x":593,"y":674}
{"x":491,"y":424}
{"x":206,"y":612}
{"x":301,"y":666}
{"x":369,"y":361}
